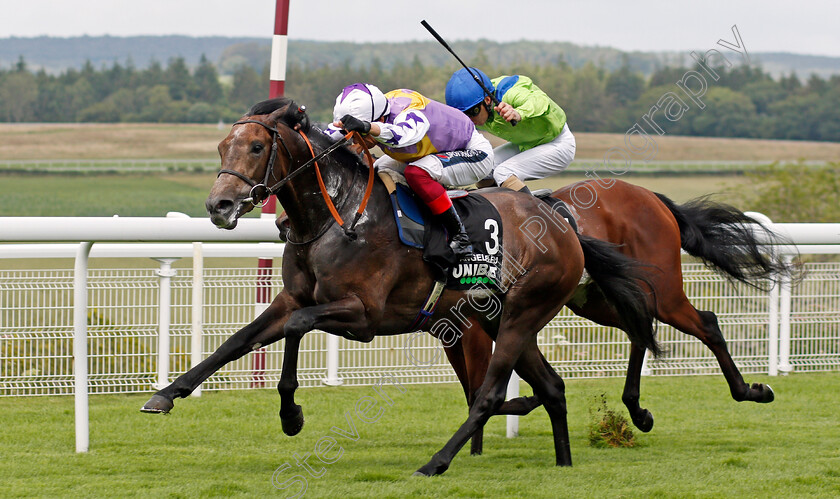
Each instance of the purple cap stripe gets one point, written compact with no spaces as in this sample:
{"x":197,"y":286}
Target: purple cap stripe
{"x":355,"y":86}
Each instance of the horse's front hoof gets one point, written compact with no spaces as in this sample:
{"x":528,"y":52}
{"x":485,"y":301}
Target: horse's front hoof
{"x":767,"y":394}
{"x":644,"y":422}
{"x":158,"y":404}
{"x":292,"y":423}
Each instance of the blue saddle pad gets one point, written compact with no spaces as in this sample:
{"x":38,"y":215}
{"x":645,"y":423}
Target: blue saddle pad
{"x":410,"y":215}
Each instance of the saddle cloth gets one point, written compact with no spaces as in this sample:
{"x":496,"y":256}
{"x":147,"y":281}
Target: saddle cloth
{"x":483,"y":224}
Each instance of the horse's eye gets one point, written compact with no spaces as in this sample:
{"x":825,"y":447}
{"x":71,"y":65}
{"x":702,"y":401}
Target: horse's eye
{"x":257,"y":148}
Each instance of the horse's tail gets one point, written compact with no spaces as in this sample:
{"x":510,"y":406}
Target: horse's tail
{"x":728,"y":241}
{"x":619,"y":278}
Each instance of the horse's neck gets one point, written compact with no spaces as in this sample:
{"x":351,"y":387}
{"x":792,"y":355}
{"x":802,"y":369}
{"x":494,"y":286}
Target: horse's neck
{"x":306,"y":207}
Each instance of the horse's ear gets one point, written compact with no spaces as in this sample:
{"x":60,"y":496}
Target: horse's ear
{"x":278,"y":115}
{"x":295,"y":116}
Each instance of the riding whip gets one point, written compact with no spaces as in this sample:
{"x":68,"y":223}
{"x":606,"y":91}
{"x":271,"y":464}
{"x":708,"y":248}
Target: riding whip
{"x":487,"y":92}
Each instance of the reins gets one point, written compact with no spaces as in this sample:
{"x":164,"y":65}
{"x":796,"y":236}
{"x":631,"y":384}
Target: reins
{"x":261,"y":192}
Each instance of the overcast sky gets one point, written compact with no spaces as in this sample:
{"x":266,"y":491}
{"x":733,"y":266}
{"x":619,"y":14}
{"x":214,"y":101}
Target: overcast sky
{"x":804,"y":26}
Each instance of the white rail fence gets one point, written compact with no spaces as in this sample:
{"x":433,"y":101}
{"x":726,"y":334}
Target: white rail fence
{"x":138,"y":328}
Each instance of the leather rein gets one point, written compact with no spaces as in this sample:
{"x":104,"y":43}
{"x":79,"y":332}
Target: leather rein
{"x":260,"y":192}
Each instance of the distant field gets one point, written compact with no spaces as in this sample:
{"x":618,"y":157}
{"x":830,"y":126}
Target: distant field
{"x":153,"y":195}
{"x":156,"y":192}
{"x":152,"y":141}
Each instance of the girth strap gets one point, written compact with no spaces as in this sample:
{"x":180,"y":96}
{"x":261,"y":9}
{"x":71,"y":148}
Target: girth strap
{"x":428,"y":308}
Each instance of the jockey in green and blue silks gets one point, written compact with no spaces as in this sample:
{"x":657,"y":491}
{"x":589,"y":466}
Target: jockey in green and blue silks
{"x":427,"y":141}
{"x":540,"y":144}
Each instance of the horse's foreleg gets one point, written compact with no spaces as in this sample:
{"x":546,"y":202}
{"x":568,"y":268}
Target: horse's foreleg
{"x":642,"y":418}
{"x":291,"y":414}
{"x":344,"y":317}
{"x":264,"y":330}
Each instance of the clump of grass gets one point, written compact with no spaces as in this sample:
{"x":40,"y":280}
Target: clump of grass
{"x":608,"y":428}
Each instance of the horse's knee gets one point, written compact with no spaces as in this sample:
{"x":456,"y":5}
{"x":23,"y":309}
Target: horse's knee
{"x":299,"y":323}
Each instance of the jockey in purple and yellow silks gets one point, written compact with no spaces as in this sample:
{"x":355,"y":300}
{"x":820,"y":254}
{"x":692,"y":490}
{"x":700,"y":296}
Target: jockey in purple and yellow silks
{"x":427,"y":141}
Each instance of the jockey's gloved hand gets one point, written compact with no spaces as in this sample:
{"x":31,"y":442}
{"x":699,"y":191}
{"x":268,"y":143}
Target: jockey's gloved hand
{"x":352,"y":124}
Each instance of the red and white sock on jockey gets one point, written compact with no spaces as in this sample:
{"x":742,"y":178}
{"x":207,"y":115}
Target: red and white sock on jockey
{"x":435,"y":197}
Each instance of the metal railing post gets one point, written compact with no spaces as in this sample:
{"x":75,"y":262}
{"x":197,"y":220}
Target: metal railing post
{"x":784,"y":330}
{"x":197,"y":322}
{"x":332,"y":378}
{"x":512,"y":423}
{"x":773,"y":331}
{"x":165,"y":272}
{"x":80,"y":357}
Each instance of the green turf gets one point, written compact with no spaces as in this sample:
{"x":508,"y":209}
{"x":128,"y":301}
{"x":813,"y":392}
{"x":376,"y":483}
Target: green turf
{"x":229,"y":444}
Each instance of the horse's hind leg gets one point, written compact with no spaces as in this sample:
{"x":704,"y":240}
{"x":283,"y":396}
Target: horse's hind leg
{"x":704,"y":326}
{"x":596,"y":309}
{"x":549,"y":386}
{"x":469,"y":357}
{"x":470,"y":370}
{"x":641,"y":417}
{"x":490,"y":396}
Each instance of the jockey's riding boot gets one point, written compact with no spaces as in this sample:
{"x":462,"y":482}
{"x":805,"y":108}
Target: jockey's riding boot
{"x":513,"y":183}
{"x":459,"y":240}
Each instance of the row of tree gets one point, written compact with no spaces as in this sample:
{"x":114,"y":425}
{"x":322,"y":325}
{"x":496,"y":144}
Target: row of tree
{"x":123,"y":93}
{"x":744,"y":102}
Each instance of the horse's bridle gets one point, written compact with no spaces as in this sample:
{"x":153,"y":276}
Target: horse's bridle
{"x":261,"y":192}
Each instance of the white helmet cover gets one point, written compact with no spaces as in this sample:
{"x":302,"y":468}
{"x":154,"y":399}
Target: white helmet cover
{"x":361,"y":101}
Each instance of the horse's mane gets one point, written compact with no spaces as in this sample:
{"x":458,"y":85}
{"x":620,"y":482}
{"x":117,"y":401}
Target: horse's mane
{"x":295,"y":116}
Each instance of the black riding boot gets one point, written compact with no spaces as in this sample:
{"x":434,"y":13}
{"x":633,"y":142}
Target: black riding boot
{"x":459,"y":240}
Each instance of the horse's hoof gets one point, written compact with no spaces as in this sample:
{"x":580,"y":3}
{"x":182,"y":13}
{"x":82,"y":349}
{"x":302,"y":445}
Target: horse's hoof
{"x":645,"y":422}
{"x":158,"y":404}
{"x":431,"y":469}
{"x":292,"y":424}
{"x":767,"y":394}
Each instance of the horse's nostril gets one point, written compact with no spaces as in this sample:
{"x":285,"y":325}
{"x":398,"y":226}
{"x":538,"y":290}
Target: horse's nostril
{"x":219,"y":206}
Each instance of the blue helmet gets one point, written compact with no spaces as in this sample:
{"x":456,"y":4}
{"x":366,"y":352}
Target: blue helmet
{"x":463,"y":92}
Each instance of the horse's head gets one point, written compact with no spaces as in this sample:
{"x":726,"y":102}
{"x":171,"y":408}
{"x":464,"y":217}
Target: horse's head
{"x":257,"y":153}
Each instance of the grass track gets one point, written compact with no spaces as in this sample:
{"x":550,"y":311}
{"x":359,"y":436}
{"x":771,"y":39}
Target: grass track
{"x":229,"y":444}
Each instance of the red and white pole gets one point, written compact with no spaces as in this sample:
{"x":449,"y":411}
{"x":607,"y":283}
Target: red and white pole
{"x":279,"y":44}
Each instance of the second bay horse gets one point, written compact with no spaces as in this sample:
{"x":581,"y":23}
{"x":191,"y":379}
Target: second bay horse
{"x":652,"y":229}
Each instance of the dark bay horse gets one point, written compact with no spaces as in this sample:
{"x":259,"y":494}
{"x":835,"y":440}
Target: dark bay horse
{"x":362,"y":282}
{"x":652,"y":229}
